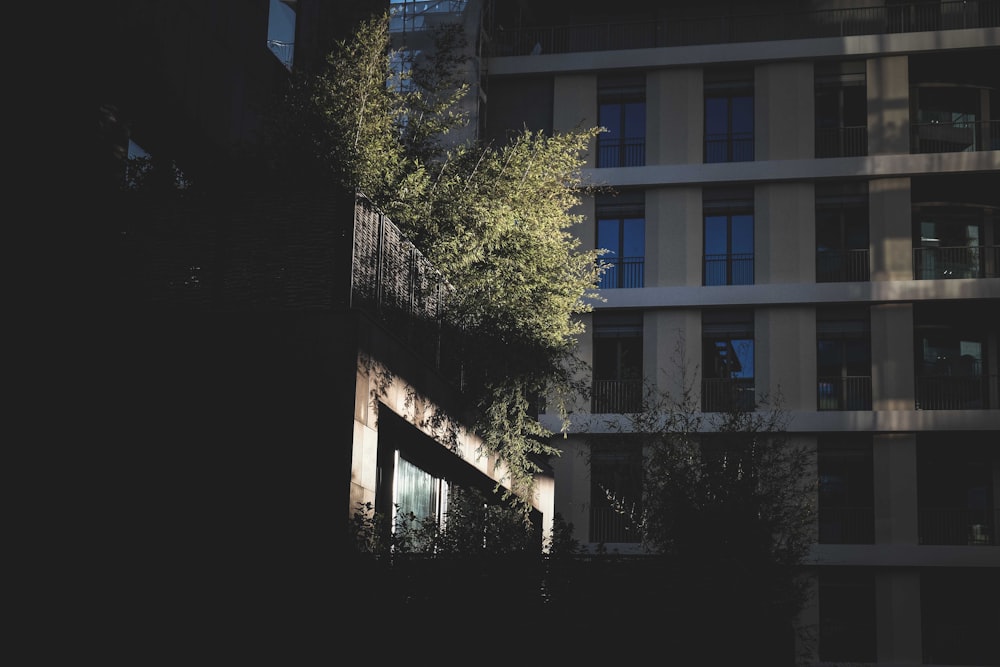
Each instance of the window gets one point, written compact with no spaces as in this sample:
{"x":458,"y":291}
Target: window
{"x":728,"y":214}
{"x":615,"y":492}
{"x":950,"y":347}
{"x":622,"y":112}
{"x":955,"y":490}
{"x":950,"y":242}
{"x":846,"y":490}
{"x":959,"y":616}
{"x":617,"y":362}
{"x":729,"y":115}
{"x":842,"y":253}
{"x":841,"y":110}
{"x":727,"y":360}
{"x":847,"y":615}
{"x":281,"y":31}
{"x":843,"y":359}
{"x":621,"y":230}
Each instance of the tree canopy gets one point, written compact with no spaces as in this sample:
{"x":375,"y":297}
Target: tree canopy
{"x":495,"y":220}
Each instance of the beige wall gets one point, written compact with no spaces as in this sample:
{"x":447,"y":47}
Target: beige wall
{"x":672,"y":349}
{"x":784,"y":233}
{"x":673,"y":237}
{"x":892,"y":356}
{"x":890,"y":229}
{"x":888,"y":105}
{"x":897,"y":610}
{"x":785,"y":355}
{"x":572,"y":484}
{"x":784,"y":111}
{"x":894,"y":462}
{"x":575,"y":105}
{"x":674,"y":117}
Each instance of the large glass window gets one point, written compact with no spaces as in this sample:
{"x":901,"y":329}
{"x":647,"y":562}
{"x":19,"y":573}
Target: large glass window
{"x":728,"y":214}
{"x":617,"y":362}
{"x":846,"y":490}
{"x":727,"y":360}
{"x":842,"y":253}
{"x":621,"y":230}
{"x":959,"y":616}
{"x":841,"y":110}
{"x":843,"y":355}
{"x":955,"y":492}
{"x":847,"y":615}
{"x":417,"y":495}
{"x":729,"y":115}
{"x":615,"y":492}
{"x":622,"y":112}
{"x":951,"y":345}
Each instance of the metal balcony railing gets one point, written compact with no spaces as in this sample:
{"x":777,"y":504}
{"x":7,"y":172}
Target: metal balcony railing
{"x":423,"y":14}
{"x":936,"y":263}
{"x":616,"y":396}
{"x":607,"y":525}
{"x":627,"y":152}
{"x":284,"y":51}
{"x":958,"y":526}
{"x":842,"y":266}
{"x":730,"y":147}
{"x":622,"y":272}
{"x":688,"y":31}
{"x":727,"y":394}
{"x":846,"y":525}
{"x":841,"y":141}
{"x":731,"y":269}
{"x":844,"y":393}
{"x":956,"y":392}
{"x":959,"y":136}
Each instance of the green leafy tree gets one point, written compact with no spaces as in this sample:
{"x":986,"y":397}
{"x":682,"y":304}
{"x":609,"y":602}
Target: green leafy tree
{"x":495,"y":220}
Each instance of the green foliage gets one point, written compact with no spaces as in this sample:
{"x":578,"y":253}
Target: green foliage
{"x":495,"y":220}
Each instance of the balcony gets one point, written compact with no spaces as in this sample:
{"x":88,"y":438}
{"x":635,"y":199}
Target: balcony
{"x":418,"y":15}
{"x":622,"y":272}
{"x":608,"y":525}
{"x":616,"y":397}
{"x":959,"y":136}
{"x":627,"y":152}
{"x":846,"y":525}
{"x":958,"y":526}
{"x":728,"y":395}
{"x":936,"y":263}
{"x":842,"y":266}
{"x":956,"y":392}
{"x":689,"y":31}
{"x":729,"y":269}
{"x":733,"y":147}
{"x":841,"y":141}
{"x":844,"y":393}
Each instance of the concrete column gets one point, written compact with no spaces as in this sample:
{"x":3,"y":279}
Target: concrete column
{"x":673,"y":237}
{"x":785,"y":233}
{"x":888,"y":105}
{"x":890,"y":229}
{"x":897,"y":617}
{"x":807,"y":642}
{"x":675,"y":118}
{"x":894,"y":463}
{"x":575,"y":105}
{"x":785,"y":351}
{"x":672,"y":349}
{"x":571,"y":473}
{"x":784,"y":111}
{"x":892,"y":357}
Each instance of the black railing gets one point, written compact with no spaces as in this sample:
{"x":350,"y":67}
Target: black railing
{"x":844,"y":393}
{"x":622,"y":272}
{"x":732,"y":269}
{"x":958,"y":136}
{"x":728,"y":394}
{"x":956,"y":392}
{"x":841,"y":141}
{"x":842,"y":266}
{"x":608,"y":525}
{"x":627,"y":152}
{"x":687,"y":31}
{"x":284,"y":51}
{"x":846,"y":525}
{"x":958,"y":526}
{"x":730,"y":147}
{"x":616,"y":396}
{"x":936,"y":263}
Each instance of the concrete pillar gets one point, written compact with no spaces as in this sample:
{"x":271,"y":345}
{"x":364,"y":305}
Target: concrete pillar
{"x":575,"y":105}
{"x":897,"y":617}
{"x":807,"y":641}
{"x":890,"y":229}
{"x":892,"y":357}
{"x":888,"y":81}
{"x":675,"y":118}
{"x":673,"y":237}
{"x":784,"y":111}
{"x":785,"y":342}
{"x":672,"y":349}
{"x":785,"y":233}
{"x":894,"y":463}
{"x":571,"y":474}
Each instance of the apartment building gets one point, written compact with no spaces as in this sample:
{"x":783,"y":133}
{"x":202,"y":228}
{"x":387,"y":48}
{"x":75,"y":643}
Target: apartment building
{"x":806,"y":200}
